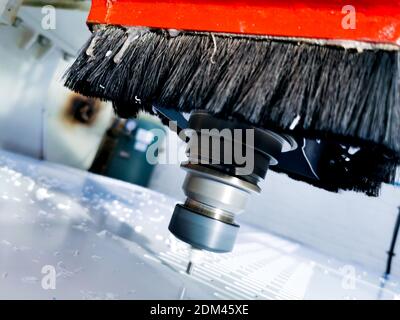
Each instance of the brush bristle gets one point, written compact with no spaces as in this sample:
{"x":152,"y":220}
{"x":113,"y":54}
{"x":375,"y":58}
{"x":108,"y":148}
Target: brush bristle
{"x":348,"y":96}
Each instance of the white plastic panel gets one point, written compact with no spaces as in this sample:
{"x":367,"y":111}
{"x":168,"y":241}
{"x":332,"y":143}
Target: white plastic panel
{"x":33,"y":99}
{"x":108,"y":239}
{"x":24,"y":79}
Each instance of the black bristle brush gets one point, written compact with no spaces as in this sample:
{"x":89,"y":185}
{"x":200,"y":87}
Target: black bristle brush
{"x":306,"y":89}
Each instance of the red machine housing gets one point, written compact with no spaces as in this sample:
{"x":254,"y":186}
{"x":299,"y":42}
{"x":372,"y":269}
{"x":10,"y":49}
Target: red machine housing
{"x":376,"y":21}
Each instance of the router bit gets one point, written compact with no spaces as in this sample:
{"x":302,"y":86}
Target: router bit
{"x":194,"y":258}
{"x":189,"y":268}
{"x":217,"y":192}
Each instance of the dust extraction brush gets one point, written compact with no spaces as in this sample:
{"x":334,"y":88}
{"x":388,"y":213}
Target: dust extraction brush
{"x":313,"y":69}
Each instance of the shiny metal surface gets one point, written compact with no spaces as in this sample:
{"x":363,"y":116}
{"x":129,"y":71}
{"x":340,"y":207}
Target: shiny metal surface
{"x":201,"y":231}
{"x":209,"y":211}
{"x":207,"y":219}
{"x":221,"y":177}
{"x":216,"y":194}
{"x":109,"y":240}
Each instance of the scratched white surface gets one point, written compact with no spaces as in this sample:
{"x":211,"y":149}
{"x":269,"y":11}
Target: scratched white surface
{"x":109,"y":240}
